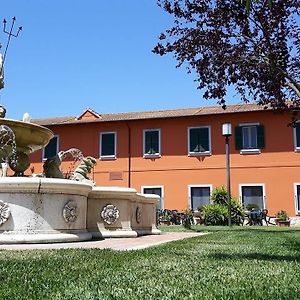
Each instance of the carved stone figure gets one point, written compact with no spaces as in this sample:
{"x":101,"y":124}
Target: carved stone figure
{"x":52,"y":166}
{"x":138,"y":215}
{"x":70,"y":212}
{"x":7,"y":142}
{"x":4,"y":212}
{"x":110,"y":214}
{"x":82,"y":171}
{"x":2,"y":111}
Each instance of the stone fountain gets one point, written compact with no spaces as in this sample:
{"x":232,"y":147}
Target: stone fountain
{"x":45,"y":210}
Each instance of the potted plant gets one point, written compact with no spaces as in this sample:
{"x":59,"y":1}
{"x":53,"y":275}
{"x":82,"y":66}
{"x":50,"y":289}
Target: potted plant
{"x":282,"y":218}
{"x":165,"y":219}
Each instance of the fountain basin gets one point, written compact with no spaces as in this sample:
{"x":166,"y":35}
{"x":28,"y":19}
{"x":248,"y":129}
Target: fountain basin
{"x":121,"y":212}
{"x":43,"y":210}
{"x":29,"y":137}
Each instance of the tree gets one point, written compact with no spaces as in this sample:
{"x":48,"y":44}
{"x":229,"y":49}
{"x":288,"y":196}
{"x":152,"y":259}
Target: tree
{"x":256,"y":50}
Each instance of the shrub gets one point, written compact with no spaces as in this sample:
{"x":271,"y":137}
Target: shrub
{"x":219,"y":196}
{"x":237,"y":212}
{"x":217,"y":213}
{"x":187,"y":219}
{"x":282,"y":215}
{"x":214,"y":214}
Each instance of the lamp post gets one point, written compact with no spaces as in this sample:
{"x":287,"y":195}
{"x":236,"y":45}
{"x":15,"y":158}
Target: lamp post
{"x":226,"y":131}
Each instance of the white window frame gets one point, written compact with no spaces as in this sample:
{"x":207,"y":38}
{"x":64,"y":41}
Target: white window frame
{"x":297,"y":209}
{"x":57,"y":147}
{"x":155,"y":155}
{"x":190,"y":186}
{"x":253,"y":150}
{"x":162,"y":198}
{"x":108,"y":157}
{"x":253,"y":184}
{"x":296,"y":149}
{"x":204,"y":153}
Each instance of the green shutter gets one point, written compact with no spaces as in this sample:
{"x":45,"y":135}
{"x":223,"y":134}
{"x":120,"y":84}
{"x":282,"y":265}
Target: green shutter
{"x":260,"y":137}
{"x":204,"y":139}
{"x":193,"y":147}
{"x":152,"y":142}
{"x":199,"y":139}
{"x":51,"y":149}
{"x":108,"y":144}
{"x":297,"y":128}
{"x":238,"y":138}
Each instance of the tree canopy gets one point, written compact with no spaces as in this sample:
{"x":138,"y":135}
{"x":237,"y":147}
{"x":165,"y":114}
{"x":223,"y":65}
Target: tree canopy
{"x":226,"y":43}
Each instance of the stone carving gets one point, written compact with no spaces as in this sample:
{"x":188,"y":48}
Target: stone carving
{"x":52,"y":166}
{"x":70,"y":212}
{"x":2,"y":110}
{"x":82,"y":171}
{"x":4,"y":212}
{"x":110,"y":214}
{"x":7,"y":142}
{"x":138,"y":214}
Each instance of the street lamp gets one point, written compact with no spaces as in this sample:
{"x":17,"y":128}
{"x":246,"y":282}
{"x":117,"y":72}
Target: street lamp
{"x":226,"y":131}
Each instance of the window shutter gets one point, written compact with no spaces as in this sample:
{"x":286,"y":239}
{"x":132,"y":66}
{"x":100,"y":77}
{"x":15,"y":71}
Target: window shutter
{"x":151,"y":142}
{"x":297,"y":128}
{"x":155,"y":142}
{"x":260,"y":137}
{"x":193,"y":140}
{"x":238,"y":138}
{"x":204,"y":139}
{"x":108,"y":144}
{"x":147,"y":142}
{"x":51,"y":148}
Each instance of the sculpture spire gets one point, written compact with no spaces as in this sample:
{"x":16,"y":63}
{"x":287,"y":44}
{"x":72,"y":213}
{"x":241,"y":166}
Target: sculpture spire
{"x":2,"y":57}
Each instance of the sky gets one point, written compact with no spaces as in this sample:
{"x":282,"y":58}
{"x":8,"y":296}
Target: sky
{"x":74,"y":54}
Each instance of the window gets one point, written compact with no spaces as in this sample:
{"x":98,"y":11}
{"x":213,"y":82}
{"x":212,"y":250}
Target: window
{"x":156,"y":190}
{"x":199,"y":141}
{"x":199,"y":195}
{"x":297,"y":137}
{"x":152,"y":143}
{"x":108,"y":145}
{"x":297,"y":197}
{"x":253,"y":194}
{"x":52,"y":148}
{"x":249,"y":138}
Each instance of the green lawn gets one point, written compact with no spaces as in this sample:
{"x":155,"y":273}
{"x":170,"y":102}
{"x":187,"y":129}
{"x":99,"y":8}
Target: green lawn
{"x":237,"y":263}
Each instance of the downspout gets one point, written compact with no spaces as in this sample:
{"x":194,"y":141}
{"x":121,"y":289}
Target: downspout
{"x":129,"y":155}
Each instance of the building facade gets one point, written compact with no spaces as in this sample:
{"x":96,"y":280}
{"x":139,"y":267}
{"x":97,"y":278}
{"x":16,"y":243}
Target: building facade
{"x":180,"y":154}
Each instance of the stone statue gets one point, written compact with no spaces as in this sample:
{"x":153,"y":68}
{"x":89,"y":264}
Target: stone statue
{"x":82,"y":171}
{"x":52,"y":166}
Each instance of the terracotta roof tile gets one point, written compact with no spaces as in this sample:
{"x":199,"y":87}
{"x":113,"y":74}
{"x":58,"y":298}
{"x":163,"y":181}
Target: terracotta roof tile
{"x":157,"y":114}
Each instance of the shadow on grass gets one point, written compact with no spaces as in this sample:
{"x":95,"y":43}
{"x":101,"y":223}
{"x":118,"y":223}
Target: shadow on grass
{"x":255,"y":256}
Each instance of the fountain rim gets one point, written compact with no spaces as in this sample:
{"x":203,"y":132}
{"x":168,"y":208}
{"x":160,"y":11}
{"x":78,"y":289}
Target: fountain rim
{"x":24,"y":124}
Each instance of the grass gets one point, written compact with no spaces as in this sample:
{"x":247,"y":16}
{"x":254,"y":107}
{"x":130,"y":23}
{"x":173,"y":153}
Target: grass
{"x":229,"y":263}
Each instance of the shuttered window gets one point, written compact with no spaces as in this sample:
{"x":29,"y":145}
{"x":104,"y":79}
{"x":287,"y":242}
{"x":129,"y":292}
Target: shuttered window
{"x":108,"y":145}
{"x":51,"y":149}
{"x":249,"y":137}
{"x":199,"y":140}
{"x":152,"y":142}
{"x":297,"y":135}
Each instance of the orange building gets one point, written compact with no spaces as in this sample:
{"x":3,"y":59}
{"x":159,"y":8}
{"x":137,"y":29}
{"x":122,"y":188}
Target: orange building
{"x":180,"y":154}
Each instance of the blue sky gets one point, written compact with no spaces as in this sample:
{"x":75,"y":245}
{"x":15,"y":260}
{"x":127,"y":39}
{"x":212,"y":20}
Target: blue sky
{"x":76,"y":54}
